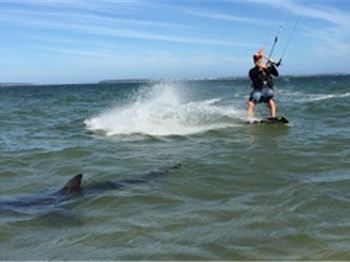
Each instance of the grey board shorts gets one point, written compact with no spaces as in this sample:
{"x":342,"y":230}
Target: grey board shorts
{"x":263,"y":95}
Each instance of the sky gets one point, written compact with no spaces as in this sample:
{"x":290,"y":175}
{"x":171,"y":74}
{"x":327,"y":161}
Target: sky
{"x":85,"y":41}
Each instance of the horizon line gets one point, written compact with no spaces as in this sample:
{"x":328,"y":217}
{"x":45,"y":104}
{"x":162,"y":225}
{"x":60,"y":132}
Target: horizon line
{"x":184,"y":79}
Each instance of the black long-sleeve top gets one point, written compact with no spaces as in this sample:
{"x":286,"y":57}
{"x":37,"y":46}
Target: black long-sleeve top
{"x":263,"y":77}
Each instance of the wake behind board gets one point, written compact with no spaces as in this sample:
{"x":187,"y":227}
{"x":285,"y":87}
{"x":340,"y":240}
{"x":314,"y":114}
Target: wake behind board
{"x":279,"y":120}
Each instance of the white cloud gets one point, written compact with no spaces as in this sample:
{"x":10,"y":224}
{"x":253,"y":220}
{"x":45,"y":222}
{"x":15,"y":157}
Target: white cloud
{"x":332,"y":39}
{"x":331,"y":42}
{"x":95,"y":25}
{"x":226,"y":17}
{"x":12,"y":15}
{"x":310,"y":10}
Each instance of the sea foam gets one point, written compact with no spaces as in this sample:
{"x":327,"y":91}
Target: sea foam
{"x":163,"y":110}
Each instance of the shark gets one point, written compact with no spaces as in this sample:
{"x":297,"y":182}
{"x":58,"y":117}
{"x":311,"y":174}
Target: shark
{"x":73,"y":188}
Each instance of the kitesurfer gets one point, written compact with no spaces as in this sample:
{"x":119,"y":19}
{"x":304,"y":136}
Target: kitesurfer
{"x":262,"y":83}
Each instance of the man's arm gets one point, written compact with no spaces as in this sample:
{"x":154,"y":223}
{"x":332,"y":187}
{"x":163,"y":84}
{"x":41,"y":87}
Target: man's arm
{"x":273,"y":70}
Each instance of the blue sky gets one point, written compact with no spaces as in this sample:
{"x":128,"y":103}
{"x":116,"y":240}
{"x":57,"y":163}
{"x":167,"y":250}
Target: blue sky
{"x":82,"y":41}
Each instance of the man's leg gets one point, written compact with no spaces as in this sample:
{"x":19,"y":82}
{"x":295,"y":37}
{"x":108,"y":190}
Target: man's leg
{"x":272,"y":106}
{"x":250,"y":110}
{"x":254,"y":98}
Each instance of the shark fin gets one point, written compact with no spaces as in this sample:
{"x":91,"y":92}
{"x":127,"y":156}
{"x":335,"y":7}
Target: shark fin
{"x":73,"y":185}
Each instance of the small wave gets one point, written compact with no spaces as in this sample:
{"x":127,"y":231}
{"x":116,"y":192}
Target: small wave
{"x":302,"y":97}
{"x":162,"y":110}
{"x":321,"y":97}
{"x":325,"y":177}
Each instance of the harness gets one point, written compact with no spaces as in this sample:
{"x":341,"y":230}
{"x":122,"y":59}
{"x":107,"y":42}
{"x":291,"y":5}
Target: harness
{"x":261,"y":78}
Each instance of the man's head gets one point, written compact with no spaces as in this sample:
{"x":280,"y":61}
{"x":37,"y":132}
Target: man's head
{"x":258,"y":56}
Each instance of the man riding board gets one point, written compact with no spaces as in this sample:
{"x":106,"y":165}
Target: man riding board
{"x":262,"y":83}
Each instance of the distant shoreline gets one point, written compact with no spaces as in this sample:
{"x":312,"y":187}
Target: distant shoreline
{"x":9,"y":84}
{"x":143,"y":80}
{"x":229,"y":78}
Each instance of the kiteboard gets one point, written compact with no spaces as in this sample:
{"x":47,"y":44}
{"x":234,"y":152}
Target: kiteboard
{"x":279,"y":120}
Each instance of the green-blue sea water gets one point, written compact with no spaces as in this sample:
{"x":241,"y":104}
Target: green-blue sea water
{"x":243,"y":192}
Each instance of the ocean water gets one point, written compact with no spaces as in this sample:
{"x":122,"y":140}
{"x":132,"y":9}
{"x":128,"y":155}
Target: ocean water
{"x":243,"y":192}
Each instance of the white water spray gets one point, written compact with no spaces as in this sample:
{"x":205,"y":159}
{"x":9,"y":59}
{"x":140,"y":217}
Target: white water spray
{"x":161,"y":110}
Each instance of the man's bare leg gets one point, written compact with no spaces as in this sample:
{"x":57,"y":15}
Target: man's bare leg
{"x":250,"y":110}
{"x":272,"y":106}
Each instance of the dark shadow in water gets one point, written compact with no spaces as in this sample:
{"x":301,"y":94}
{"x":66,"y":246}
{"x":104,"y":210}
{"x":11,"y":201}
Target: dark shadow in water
{"x":55,"y":209}
{"x":56,"y":218}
